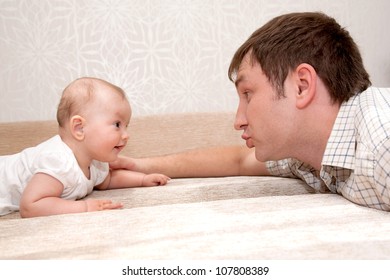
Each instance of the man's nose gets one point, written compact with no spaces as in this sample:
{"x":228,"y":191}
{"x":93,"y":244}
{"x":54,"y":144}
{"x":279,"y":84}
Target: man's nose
{"x":240,"y":121}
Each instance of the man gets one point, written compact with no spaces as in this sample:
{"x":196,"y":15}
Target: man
{"x":306,"y":108}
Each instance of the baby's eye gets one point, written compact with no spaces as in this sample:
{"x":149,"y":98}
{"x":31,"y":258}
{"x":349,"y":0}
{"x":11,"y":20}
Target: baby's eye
{"x":118,"y":124}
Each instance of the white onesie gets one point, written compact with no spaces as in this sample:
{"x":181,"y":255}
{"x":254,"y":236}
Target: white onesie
{"x":52,"y":157}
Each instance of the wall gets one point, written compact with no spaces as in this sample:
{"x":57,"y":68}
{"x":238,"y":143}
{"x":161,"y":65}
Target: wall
{"x":169,"y":56}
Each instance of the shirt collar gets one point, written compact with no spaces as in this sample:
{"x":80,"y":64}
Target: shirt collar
{"x":340,"y":149}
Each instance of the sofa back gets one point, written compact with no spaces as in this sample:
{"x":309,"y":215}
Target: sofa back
{"x":149,"y":135}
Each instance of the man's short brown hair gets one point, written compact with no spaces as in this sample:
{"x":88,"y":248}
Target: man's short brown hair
{"x":314,"y":38}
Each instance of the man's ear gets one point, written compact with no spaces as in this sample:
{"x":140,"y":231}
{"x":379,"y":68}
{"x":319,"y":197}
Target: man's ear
{"x":306,"y":78}
{"x":77,"y":127}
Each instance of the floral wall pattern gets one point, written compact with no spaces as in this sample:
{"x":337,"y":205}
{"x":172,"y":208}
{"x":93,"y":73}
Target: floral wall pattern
{"x":168,"y":55}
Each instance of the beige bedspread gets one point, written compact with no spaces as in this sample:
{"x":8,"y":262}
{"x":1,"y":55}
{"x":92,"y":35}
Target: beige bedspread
{"x":214,"y":218}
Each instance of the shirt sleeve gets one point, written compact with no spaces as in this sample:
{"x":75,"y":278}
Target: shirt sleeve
{"x":55,"y":164}
{"x":382,"y":171}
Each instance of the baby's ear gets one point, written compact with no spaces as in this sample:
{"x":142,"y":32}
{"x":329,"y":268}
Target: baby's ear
{"x":77,"y":127}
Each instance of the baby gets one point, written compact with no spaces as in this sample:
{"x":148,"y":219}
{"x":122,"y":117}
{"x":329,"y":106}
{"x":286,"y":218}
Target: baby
{"x":50,"y":178}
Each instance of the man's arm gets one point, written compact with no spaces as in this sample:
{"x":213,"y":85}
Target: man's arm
{"x":205,"y":162}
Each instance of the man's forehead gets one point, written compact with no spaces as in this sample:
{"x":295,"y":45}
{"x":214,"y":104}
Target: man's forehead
{"x":247,"y":64}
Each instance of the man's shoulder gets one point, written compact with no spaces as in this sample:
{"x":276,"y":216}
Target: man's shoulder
{"x":372,"y":119}
{"x":374,"y":103}
{"x":375,"y":97}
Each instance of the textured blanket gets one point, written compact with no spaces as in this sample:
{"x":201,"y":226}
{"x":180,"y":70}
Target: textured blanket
{"x":213,"y":218}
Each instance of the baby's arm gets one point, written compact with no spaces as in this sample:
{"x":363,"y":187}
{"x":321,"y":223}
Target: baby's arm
{"x":121,"y":178}
{"x":42,"y":197}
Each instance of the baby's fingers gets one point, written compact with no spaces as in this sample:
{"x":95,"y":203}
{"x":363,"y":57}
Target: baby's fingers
{"x":108,"y":205}
{"x":101,"y":204}
{"x":163,"y":180}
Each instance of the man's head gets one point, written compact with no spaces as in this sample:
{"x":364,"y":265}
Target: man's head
{"x":313,"y":38}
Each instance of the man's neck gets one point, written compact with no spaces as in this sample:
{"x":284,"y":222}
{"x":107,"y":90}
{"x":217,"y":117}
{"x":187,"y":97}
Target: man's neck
{"x":313,"y":146}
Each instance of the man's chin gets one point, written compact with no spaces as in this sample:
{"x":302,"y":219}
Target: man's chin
{"x":261,"y":156}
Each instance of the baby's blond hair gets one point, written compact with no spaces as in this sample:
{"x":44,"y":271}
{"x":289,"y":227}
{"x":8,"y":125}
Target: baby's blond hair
{"x":78,"y":94}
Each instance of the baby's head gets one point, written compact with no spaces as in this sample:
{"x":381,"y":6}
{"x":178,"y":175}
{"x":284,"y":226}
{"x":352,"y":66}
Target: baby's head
{"x":93,"y":116}
{"x":87,"y":95}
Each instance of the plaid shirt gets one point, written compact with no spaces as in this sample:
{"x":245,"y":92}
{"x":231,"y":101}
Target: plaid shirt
{"x":356,"y":162}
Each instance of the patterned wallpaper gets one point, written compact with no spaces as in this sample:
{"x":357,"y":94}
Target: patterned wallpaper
{"x":168,"y":55}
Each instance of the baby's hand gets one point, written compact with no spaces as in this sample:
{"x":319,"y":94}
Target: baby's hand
{"x":101,"y":204}
{"x":154,"y":179}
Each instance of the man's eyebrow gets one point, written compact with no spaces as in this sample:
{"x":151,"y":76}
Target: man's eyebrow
{"x":238,"y":80}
